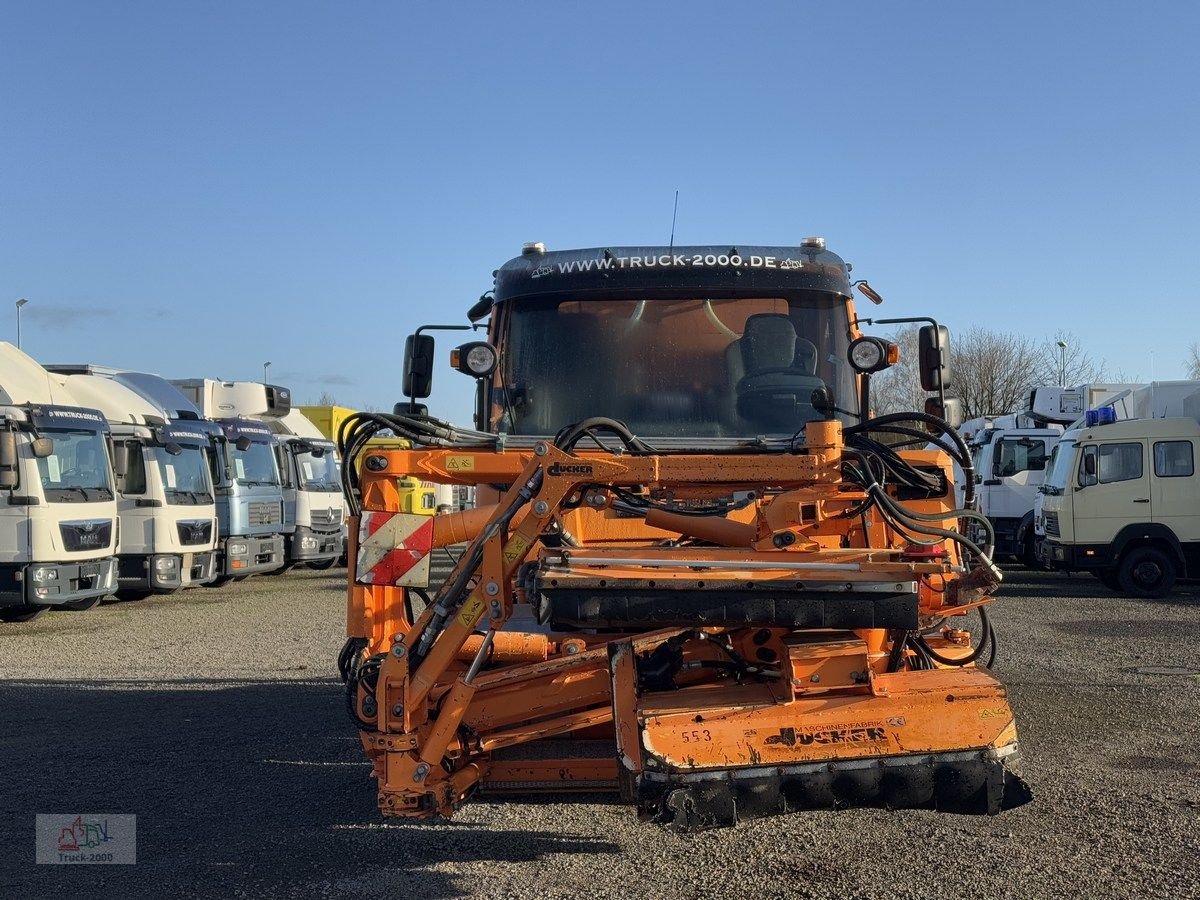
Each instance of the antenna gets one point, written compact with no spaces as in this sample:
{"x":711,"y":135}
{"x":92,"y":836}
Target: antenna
{"x":673,"y":214}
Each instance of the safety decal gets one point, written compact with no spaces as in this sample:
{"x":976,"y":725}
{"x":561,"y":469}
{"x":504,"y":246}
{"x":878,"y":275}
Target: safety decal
{"x":393,"y":549}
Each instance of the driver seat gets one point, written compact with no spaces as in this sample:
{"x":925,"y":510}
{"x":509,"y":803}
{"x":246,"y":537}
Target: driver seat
{"x":772,"y":371}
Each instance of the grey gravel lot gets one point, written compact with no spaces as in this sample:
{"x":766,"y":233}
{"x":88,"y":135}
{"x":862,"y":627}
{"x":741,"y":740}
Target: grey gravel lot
{"x":216,"y":718}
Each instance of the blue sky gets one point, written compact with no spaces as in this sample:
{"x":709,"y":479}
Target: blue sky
{"x":194,"y":189}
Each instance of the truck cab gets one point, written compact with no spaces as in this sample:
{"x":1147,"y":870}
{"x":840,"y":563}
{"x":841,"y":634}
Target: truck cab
{"x":1009,"y":455}
{"x":313,"y":507}
{"x":1123,"y":501}
{"x":246,"y":476}
{"x":165,"y":499}
{"x":58,"y":515}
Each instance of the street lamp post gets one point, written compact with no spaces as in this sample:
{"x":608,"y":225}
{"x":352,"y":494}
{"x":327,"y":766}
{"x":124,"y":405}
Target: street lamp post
{"x":1062,"y":368}
{"x":266,"y":366}
{"x":20,"y":303}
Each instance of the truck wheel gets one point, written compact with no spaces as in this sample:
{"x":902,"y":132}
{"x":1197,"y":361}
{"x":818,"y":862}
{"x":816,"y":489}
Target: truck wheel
{"x":1108,"y":578}
{"x":1029,"y":555}
{"x":20,"y":613}
{"x":129,"y":595}
{"x":323,"y":564}
{"x":219,"y":581}
{"x":81,"y":605}
{"x":1147,"y":572}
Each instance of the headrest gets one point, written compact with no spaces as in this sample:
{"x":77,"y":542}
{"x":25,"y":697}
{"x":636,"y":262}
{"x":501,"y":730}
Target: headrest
{"x":768,"y":342}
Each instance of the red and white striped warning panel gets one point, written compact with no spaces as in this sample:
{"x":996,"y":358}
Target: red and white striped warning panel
{"x":393,"y":549}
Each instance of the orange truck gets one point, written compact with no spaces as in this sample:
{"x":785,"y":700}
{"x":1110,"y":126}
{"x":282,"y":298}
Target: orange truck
{"x":700,"y":574}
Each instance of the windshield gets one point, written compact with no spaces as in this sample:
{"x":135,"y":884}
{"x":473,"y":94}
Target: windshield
{"x":77,"y":470}
{"x":1020,"y":454}
{"x":255,"y":464}
{"x":185,"y":476}
{"x":318,"y":473}
{"x":738,"y":368}
{"x":1060,"y":466}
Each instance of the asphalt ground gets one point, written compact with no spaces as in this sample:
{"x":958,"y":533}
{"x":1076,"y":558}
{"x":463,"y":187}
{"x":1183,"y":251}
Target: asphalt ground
{"x":216,"y":717}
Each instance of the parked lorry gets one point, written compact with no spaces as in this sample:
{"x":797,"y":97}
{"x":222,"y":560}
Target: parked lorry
{"x":245,"y":474}
{"x":695,"y":577}
{"x":58,"y":518}
{"x":1123,"y":498}
{"x":313,"y":508}
{"x":1011,"y":453}
{"x":165,"y":499}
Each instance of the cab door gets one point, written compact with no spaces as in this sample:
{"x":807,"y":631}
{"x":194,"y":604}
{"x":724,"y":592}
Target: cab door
{"x":1112,"y":490}
{"x":1175,"y":490}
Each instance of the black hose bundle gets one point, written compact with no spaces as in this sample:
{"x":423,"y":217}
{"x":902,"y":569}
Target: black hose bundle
{"x":422,"y":431}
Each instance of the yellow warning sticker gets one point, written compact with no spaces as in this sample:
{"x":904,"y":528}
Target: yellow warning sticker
{"x":471,"y":611}
{"x":460,"y":463}
{"x":515,"y":549}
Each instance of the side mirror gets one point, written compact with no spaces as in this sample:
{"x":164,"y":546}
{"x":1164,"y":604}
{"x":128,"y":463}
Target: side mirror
{"x":9,"y":473}
{"x":242,"y":443}
{"x":42,"y":447}
{"x":410,"y":409}
{"x":1088,"y":476}
{"x":120,"y":458}
{"x":933,"y":343}
{"x":951,"y":413}
{"x":418,"y":365}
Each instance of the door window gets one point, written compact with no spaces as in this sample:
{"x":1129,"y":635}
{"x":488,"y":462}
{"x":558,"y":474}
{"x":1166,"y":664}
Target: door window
{"x":1173,"y":459}
{"x":1020,"y":455}
{"x":1119,"y":462}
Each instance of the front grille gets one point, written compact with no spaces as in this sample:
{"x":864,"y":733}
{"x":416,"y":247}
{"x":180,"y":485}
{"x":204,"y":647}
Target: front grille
{"x":1052,"y":524}
{"x":330,"y":516}
{"x":264,"y":513}
{"x":194,"y":532}
{"x":92,"y":535}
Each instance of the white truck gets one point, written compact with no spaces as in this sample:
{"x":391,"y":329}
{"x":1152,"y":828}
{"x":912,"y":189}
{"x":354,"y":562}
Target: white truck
{"x":249,"y":494}
{"x":1011,"y":455}
{"x":58,"y":512}
{"x":1123,"y":498}
{"x":313,"y":507}
{"x":165,"y":499}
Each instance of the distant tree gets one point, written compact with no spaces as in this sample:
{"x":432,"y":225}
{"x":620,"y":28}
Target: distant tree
{"x":1081,"y":368}
{"x":992,"y":372}
{"x":326,"y":399}
{"x":1193,"y":362}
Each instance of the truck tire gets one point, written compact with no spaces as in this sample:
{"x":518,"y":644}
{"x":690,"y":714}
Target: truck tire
{"x":1147,"y":572}
{"x":131,"y":595}
{"x":1029,"y":553}
{"x":323,"y":564}
{"x":21,"y":613}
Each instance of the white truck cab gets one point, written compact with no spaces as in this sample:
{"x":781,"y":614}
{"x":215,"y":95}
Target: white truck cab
{"x":165,"y":499}
{"x":1123,"y":498}
{"x":313,"y":506}
{"x":58,"y":510}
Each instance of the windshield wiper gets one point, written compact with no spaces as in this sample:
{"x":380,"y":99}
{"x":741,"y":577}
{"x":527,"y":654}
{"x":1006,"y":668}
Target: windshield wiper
{"x":251,"y":481}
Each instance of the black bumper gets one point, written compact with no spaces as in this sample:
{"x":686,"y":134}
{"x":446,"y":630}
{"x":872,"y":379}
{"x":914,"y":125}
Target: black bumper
{"x":1077,"y":557}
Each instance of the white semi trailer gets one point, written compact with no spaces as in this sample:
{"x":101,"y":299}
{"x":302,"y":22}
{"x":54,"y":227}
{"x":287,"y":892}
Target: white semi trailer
{"x":58,"y":509}
{"x":165,"y":499}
